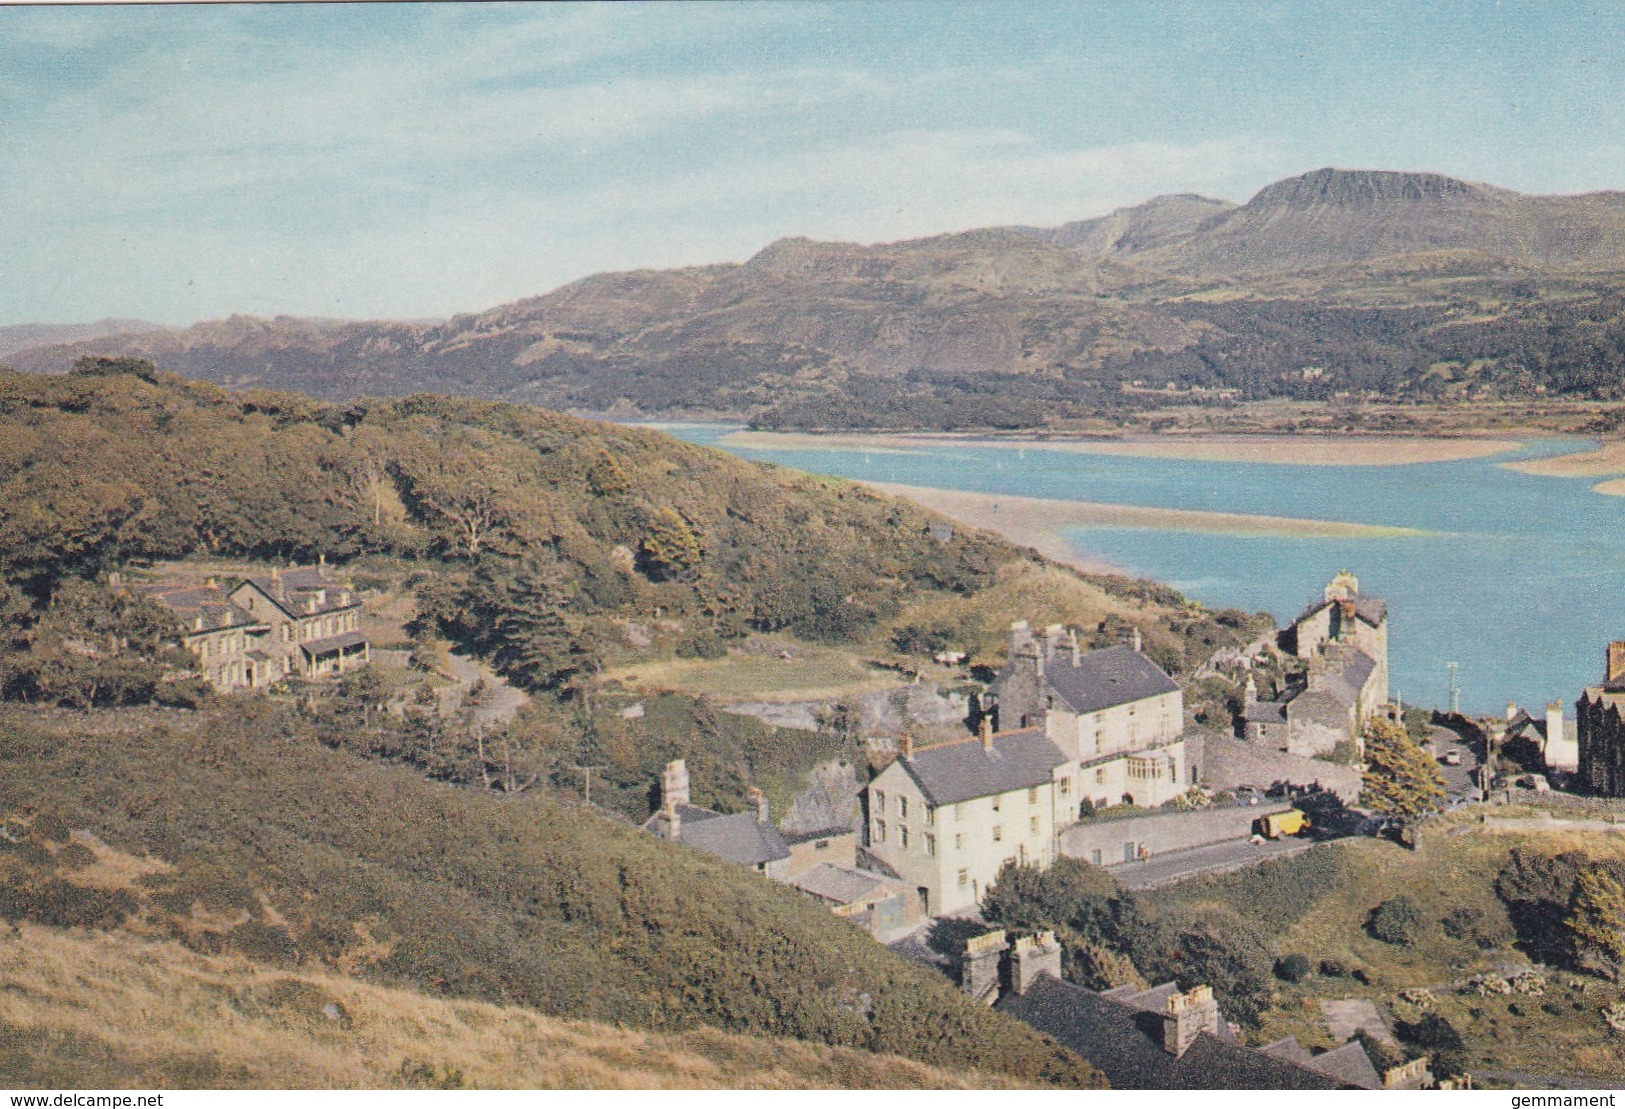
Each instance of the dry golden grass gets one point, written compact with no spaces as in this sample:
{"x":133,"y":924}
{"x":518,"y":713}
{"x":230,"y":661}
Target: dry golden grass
{"x":118,"y":1011}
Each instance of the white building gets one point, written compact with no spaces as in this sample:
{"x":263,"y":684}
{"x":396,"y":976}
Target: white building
{"x":1105,"y":727}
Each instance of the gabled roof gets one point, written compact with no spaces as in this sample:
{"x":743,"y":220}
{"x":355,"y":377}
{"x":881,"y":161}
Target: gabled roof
{"x":208,"y":601}
{"x":1264,"y":712}
{"x":293,"y":591}
{"x":1106,"y":678}
{"x":964,"y":769}
{"x":1125,"y":1042}
{"x":733,"y":837}
{"x":1371,"y":610}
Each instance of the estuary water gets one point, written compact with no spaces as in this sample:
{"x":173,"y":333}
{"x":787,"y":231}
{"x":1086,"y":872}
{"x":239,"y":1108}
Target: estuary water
{"x":1517,"y":578}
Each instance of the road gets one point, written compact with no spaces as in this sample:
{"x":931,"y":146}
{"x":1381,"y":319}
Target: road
{"x":499,"y":702}
{"x":1461,"y":779}
{"x":1217,"y":858}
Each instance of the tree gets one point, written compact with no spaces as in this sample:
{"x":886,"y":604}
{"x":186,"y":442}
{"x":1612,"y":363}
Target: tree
{"x":1401,"y":780}
{"x":1395,"y":921}
{"x":1597,"y":921}
{"x":670,"y":550}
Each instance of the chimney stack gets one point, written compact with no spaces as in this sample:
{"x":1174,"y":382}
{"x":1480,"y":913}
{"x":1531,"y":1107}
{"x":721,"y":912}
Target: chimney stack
{"x":759,"y":799}
{"x":674,"y":789}
{"x":1512,"y":711}
{"x":984,"y":731}
{"x":1561,"y":753}
{"x":1077,"y":655}
{"x":905,"y":745}
{"x":1186,"y":1016}
{"x":1138,"y":643}
{"x":1035,"y":955}
{"x":979,"y":969}
{"x":674,"y":824}
{"x":1249,"y":695}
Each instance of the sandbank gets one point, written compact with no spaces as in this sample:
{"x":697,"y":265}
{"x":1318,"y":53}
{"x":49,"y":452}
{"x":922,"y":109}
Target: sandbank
{"x":1290,"y":450}
{"x":1037,"y":522}
{"x":1602,"y":462}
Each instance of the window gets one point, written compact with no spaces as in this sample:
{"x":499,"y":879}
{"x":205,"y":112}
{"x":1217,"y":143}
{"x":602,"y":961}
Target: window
{"x":821,"y":845}
{"x":996,"y":804}
{"x":902,"y":807}
{"x":930,"y":844}
{"x":998,"y":833}
{"x":964,"y":878}
{"x":1100,"y":776}
{"x":930,"y":816}
{"x":1066,"y":787}
{"x":959,"y":812}
{"x":1032,"y":796}
{"x":959,"y":841}
{"x":880,"y":801}
{"x":902,"y":837}
{"x":1094,"y":856}
{"x":1034,"y":823}
{"x":880,"y":831}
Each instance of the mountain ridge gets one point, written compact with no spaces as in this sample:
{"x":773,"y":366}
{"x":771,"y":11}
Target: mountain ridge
{"x":1373,"y":277}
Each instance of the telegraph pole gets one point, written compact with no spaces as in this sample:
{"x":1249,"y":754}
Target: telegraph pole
{"x":586,"y":779}
{"x":1455,"y":691}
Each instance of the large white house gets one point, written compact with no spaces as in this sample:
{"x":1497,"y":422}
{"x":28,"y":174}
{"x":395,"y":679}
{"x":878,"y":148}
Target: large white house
{"x":1105,"y":727}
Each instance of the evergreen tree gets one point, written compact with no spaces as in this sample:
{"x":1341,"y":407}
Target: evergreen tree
{"x":670,"y":549}
{"x":1401,"y":780}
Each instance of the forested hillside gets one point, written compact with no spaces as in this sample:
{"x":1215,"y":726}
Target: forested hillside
{"x":1403,"y":286}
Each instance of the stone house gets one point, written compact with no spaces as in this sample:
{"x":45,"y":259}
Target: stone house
{"x":1344,"y":642}
{"x":1601,"y":729}
{"x":745,"y":839}
{"x":312,"y":621}
{"x":254,"y":631}
{"x":219,"y":633}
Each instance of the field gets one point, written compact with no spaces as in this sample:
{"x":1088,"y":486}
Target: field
{"x":762,"y":674}
{"x":1317,"y":906}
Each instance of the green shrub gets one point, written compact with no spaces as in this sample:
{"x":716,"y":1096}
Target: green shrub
{"x":1293,"y":968}
{"x":1395,"y":921}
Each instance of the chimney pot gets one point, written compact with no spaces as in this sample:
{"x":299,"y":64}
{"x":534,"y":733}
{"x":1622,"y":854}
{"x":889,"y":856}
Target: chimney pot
{"x":984,"y":731}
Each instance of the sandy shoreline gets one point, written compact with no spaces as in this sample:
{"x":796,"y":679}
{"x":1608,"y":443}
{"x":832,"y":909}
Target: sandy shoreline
{"x":1291,"y":450}
{"x":1607,"y":460}
{"x":1037,"y":522}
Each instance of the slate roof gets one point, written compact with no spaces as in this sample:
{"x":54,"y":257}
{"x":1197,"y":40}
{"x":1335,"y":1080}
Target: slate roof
{"x":841,"y":885}
{"x":1106,"y":678}
{"x":210,"y":602}
{"x":1321,"y":706}
{"x":1265,"y":712}
{"x":1125,"y":1043}
{"x":733,"y":837}
{"x":1371,"y":610}
{"x":959,"y":771}
{"x":293,"y":589}
{"x":1349,"y":1064}
{"x":340,"y":642}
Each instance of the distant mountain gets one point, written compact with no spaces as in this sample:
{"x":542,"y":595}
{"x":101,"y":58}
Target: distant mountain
{"x":1336,"y":217}
{"x":1395,"y":284}
{"x":24,"y":335}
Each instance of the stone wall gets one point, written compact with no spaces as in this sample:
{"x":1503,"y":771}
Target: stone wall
{"x":1230,"y":762}
{"x":1161,"y":832}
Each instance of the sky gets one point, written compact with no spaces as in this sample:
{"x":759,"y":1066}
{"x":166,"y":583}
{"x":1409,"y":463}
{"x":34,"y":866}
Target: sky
{"x":177,"y":163}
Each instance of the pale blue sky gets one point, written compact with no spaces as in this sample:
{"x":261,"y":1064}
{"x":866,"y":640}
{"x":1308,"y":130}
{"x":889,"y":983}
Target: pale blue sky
{"x":179,"y":163}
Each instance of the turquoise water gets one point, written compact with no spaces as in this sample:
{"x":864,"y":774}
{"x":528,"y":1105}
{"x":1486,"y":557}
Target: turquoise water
{"x":1520,"y":579}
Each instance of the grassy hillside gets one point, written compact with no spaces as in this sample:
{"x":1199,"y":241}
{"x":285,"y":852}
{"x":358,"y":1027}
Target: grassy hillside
{"x":236,"y":831}
{"x":1320,"y":906}
{"x":77,"y":1009}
